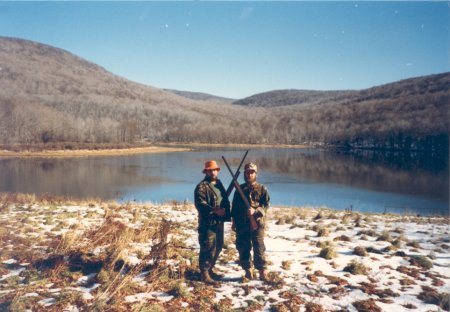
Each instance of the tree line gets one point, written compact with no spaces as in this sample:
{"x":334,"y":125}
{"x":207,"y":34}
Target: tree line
{"x":52,"y":98}
{"x":410,"y":122}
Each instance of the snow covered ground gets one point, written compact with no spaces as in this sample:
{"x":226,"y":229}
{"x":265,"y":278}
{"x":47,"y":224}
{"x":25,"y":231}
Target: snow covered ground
{"x":60,"y":256}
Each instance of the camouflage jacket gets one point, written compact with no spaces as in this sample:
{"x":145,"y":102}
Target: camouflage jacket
{"x":205,"y":200}
{"x":258,"y":197}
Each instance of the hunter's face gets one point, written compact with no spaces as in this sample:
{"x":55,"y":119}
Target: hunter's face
{"x":212,"y":173}
{"x":250,"y":176}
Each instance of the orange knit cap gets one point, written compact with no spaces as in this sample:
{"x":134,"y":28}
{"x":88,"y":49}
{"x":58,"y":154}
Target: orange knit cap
{"x":211,"y":165}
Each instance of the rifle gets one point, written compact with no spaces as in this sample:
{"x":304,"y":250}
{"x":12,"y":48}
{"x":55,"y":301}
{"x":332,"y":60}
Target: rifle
{"x":253,"y":224}
{"x":236,"y":175}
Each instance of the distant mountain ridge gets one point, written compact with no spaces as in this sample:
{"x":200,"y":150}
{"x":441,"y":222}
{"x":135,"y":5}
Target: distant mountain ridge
{"x":294,"y":97}
{"x":199,"y":96}
{"x":48,"y":95}
{"x":406,"y":87}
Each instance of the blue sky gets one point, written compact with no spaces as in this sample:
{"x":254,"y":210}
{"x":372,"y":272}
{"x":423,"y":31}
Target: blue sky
{"x":236,"y":49}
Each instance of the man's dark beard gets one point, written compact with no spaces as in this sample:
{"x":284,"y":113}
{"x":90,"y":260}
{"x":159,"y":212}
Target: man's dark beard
{"x":248,"y":181}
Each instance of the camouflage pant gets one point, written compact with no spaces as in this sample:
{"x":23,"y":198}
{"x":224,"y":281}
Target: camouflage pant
{"x":245,"y":240}
{"x":210,"y":239}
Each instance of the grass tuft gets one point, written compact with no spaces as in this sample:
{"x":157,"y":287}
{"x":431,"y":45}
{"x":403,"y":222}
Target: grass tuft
{"x":286,"y":265}
{"x":328,"y":252}
{"x":413,"y":244}
{"x":319,"y":216}
{"x":323,"y":232}
{"x":179,"y":290}
{"x":343,"y":238}
{"x":356,"y":268}
{"x":360,"y":251}
{"x":371,"y":233}
{"x":421,"y":261}
{"x":385,"y":237}
{"x":432,"y":296}
{"x":275,"y":280}
{"x":368,"y":305}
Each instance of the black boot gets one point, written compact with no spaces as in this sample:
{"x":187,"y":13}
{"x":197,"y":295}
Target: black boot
{"x":214,"y":275}
{"x":207,"y":279}
{"x":249,"y":274}
{"x":263,"y":275}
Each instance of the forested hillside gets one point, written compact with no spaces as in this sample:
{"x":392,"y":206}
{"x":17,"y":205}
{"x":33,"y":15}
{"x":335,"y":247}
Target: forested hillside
{"x":409,"y":114}
{"x":50,"y":96}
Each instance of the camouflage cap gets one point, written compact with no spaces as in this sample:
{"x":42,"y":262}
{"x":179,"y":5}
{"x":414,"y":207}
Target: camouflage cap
{"x":251,"y":166}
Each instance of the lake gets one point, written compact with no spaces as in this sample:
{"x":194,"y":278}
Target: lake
{"x":368,"y":182}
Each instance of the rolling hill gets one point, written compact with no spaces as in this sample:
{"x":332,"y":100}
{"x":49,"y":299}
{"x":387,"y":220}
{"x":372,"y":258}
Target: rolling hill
{"x":295,"y":97}
{"x":433,"y":84}
{"x":50,"y":96}
{"x":199,"y":96}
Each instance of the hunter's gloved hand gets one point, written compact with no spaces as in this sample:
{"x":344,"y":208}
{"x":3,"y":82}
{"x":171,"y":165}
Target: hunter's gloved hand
{"x":219,"y":211}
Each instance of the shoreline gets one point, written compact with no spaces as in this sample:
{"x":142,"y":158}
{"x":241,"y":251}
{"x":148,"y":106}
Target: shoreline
{"x":239,"y":145}
{"x":157,"y":148}
{"x":91,"y":152}
{"x":19,"y":197}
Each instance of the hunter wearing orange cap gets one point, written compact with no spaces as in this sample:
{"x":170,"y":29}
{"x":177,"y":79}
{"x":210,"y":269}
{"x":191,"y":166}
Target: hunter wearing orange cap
{"x":213,"y":208}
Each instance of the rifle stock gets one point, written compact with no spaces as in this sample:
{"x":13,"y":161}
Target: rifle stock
{"x":253,"y":224}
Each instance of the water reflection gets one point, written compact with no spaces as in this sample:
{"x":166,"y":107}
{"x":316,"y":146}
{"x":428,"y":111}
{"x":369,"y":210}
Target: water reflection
{"x":75,"y":177}
{"x":373,"y":172}
{"x":368,"y":182}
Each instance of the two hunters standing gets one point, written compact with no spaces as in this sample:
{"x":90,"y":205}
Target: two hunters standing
{"x":213,"y":206}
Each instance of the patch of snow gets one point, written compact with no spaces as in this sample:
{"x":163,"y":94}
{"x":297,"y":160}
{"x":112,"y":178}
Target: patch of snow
{"x":162,"y":296}
{"x":9,"y":261}
{"x":47,"y":302}
{"x":12,"y":273}
{"x":71,"y":308}
{"x":31,"y":295}
{"x":132,"y":260}
{"x":7,"y":291}
{"x":138,"y":297}
{"x":86,"y":278}
{"x":87,"y":296}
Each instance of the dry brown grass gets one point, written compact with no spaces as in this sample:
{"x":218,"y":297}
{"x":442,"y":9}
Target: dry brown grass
{"x":104,"y":246}
{"x":328,"y":251}
{"x":91,"y":152}
{"x":357,"y":268}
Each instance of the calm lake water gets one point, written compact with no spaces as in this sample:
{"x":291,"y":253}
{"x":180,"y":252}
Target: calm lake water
{"x":295,"y":177}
